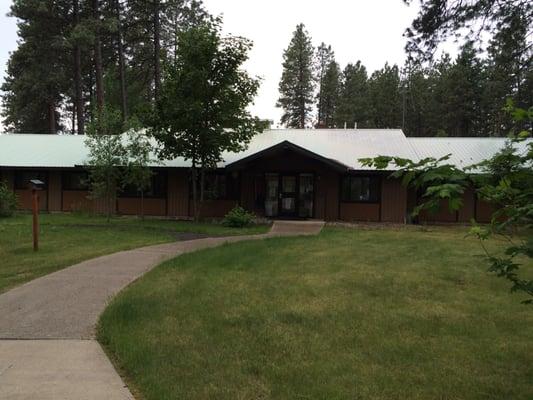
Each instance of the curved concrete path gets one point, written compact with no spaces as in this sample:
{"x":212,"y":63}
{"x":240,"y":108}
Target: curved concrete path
{"x":47,"y":326}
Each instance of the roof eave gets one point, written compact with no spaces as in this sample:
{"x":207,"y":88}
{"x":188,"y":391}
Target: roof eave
{"x":290,"y":146}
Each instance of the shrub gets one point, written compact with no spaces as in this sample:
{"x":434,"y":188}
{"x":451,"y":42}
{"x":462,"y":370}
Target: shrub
{"x":8,"y":201}
{"x":238,"y":217}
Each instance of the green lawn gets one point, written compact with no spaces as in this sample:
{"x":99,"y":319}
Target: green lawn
{"x":67,"y":239}
{"x":350,"y":314}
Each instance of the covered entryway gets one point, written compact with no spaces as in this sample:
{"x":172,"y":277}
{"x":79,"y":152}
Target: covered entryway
{"x":286,"y":181}
{"x":289,"y":195}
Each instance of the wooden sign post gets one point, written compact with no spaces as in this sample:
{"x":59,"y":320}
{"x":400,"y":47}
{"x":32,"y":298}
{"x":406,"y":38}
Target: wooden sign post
{"x":36,"y":185}
{"x":35,"y":208}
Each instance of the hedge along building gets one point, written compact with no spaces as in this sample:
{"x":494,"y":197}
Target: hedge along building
{"x":282,"y":174}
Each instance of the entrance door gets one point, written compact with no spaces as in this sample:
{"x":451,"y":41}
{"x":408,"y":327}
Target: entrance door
{"x":288,"y":195}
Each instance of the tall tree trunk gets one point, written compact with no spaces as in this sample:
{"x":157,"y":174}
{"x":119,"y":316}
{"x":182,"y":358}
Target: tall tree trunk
{"x":91,"y":92}
{"x":121,"y":63}
{"x":51,"y":117}
{"x":301,"y":89}
{"x":78,"y":99}
{"x":157,"y":51}
{"x":98,"y":58}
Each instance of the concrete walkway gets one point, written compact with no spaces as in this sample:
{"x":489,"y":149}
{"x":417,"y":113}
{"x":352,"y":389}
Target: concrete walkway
{"x":64,"y":307}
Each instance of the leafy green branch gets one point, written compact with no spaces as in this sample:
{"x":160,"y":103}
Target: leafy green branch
{"x":505,"y":181}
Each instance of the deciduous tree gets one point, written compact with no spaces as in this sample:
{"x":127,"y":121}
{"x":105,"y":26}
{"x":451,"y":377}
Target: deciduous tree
{"x":107,"y":157}
{"x":202,"y":110}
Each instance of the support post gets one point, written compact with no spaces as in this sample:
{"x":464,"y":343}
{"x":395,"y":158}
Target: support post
{"x":35,"y":209}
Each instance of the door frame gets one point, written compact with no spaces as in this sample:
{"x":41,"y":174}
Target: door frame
{"x":296,"y":193}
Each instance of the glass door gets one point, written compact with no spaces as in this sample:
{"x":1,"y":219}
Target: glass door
{"x":288,"y":195}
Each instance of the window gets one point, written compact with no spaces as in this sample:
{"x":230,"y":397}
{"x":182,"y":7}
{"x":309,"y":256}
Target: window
{"x":219,"y":186}
{"x":364,"y":189}
{"x":22,"y":179}
{"x":75,"y":180}
{"x":157,"y":189}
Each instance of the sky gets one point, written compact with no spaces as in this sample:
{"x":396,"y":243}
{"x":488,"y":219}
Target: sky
{"x":366,"y":30}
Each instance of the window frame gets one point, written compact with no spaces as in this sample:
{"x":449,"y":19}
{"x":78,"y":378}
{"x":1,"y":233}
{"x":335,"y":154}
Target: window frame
{"x":231,"y":184}
{"x":66,"y":188}
{"x":44,"y":177}
{"x":123,"y":194}
{"x":376,"y":199}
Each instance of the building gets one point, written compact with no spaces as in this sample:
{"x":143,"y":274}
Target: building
{"x":283,"y":174}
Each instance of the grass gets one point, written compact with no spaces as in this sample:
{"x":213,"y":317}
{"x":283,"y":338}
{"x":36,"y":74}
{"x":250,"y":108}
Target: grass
{"x":350,"y":314}
{"x":67,"y":239}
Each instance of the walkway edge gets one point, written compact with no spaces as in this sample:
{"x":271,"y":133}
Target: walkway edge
{"x":64,"y":307}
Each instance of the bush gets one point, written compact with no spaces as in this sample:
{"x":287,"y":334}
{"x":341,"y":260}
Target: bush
{"x":238,"y":217}
{"x":8,"y":201}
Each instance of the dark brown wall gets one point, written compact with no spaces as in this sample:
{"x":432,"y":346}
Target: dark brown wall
{"x":393,"y":201}
{"x":178,"y":193}
{"x":216,"y":208}
{"x":24,"y":196}
{"x":366,"y":212}
{"x":467,"y":212}
{"x":484,"y":211}
{"x":25,"y":201}
{"x":77,"y":200}
{"x":471,"y":209}
{"x":327,"y":195}
{"x":133,"y":206}
{"x":326,"y":201}
{"x":251,"y":189}
{"x":54,"y":191}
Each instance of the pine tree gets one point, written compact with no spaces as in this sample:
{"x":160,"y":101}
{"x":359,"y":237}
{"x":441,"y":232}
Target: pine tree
{"x":464,"y":86}
{"x":324,"y":56}
{"x":330,"y":94}
{"x":121,"y":60}
{"x":353,"y":106}
{"x":37,"y":77}
{"x":385,"y":99}
{"x":151,"y":37}
{"x":509,"y":65}
{"x":417,"y":100}
{"x":97,"y":51}
{"x":79,"y":105}
{"x":297,"y":81}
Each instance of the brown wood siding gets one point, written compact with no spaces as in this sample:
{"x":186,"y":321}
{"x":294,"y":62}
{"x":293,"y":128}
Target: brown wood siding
{"x":471,"y":209}
{"x":77,"y":200}
{"x":484,"y":211}
{"x":367,"y":212}
{"x":326,"y":195}
{"x":178,"y":193}
{"x":250,"y":191}
{"x":25,"y":202}
{"x":467,"y":212}
{"x":216,"y":208}
{"x":101,"y":206}
{"x":442,"y":215}
{"x":132,"y":206}
{"x":393,"y":201}
{"x":54,"y":191}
